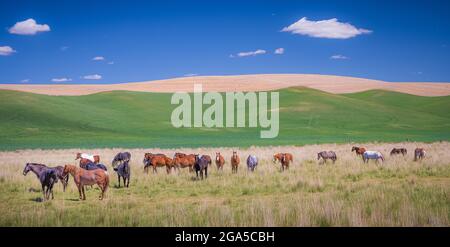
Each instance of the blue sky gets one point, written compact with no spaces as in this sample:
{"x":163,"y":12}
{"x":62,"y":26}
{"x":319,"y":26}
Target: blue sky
{"x":147,"y":40}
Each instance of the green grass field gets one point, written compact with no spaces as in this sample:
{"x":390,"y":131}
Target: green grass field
{"x":132,"y":119}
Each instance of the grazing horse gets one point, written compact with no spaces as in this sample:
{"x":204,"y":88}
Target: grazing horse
{"x":284,"y":158}
{"x":235,"y":160}
{"x":92,"y":166}
{"x":159,"y":161}
{"x":201,"y":165}
{"x":220,"y":162}
{"x":183,"y":161}
{"x":419,"y":154}
{"x":327,"y":155}
{"x":84,"y":177}
{"x":402,"y":151}
{"x":87,"y":158}
{"x":358,"y":150}
{"x":148,"y":158}
{"x":252,"y":162}
{"x":372,"y":155}
{"x":46,"y":175}
{"x":123,"y":169}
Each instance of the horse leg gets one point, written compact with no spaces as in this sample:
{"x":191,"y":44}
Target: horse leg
{"x":79,"y":190}
{"x":51,"y":190}
{"x":206,"y":172}
{"x":84,"y":194}
{"x":118,"y":177}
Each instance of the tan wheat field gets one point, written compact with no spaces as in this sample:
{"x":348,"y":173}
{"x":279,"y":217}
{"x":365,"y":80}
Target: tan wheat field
{"x":398,"y":192}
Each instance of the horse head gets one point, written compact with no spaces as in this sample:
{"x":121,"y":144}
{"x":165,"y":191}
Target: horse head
{"x":26,"y":169}
{"x":354,"y":148}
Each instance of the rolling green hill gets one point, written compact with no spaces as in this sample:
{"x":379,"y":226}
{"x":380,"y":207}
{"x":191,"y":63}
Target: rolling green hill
{"x":132,"y":119}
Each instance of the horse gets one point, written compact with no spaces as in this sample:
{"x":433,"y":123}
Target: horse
{"x":92,"y":166}
{"x":402,"y":151}
{"x":59,"y":174}
{"x":252,"y":162}
{"x":87,"y":158}
{"x":419,"y":154}
{"x":46,"y":175}
{"x":374,"y":155}
{"x":123,"y":169}
{"x":208,"y":158}
{"x":148,"y":158}
{"x":183,"y":161}
{"x":120,"y":158}
{"x":84,"y":177}
{"x":220,"y":162}
{"x":201,"y":166}
{"x":235,"y":160}
{"x":358,"y":150}
{"x":158,"y":161}
{"x":327,"y":155}
{"x":284,"y":158}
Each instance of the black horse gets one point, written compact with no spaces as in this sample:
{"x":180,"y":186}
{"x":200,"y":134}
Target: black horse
{"x":48,"y":176}
{"x":93,"y":166}
{"x":402,"y":151}
{"x":201,"y":165}
{"x":121,"y":166}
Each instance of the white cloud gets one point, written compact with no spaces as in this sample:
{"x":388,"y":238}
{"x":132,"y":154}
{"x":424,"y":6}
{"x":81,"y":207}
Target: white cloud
{"x":279,"y":51}
{"x":249,"y":53}
{"x":28,"y":27}
{"x":64,"y":48}
{"x":111,"y":63}
{"x":98,"y":58}
{"x":342,"y":57}
{"x":92,"y":77}
{"x":25,"y":81}
{"x":190,"y":75}
{"x":6,"y":50}
{"x":63,"y":79}
{"x":330,"y":29}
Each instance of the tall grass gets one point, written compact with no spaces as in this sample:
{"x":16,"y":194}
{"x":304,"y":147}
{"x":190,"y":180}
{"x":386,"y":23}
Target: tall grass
{"x":398,"y":192}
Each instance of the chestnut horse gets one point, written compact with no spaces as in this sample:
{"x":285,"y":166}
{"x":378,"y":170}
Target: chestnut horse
{"x":84,"y":177}
{"x":235,"y":160}
{"x":220,"y":161}
{"x":284,"y":158}
{"x":148,"y":158}
{"x":159,"y":161}
{"x":183,"y":161}
{"x":419,"y":154}
{"x":358,"y":150}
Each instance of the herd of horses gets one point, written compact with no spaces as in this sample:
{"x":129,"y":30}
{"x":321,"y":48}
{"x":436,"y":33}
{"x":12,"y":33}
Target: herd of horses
{"x":90,"y":171}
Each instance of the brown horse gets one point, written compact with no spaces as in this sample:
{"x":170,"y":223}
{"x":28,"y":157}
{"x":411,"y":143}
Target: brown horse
{"x":159,"y":161}
{"x":183,"y":161}
{"x":358,"y":150}
{"x":284,"y":158}
{"x":148,"y":158}
{"x":84,"y":177}
{"x":220,"y":161}
{"x":235,"y":160}
{"x":207,"y":158}
{"x":87,"y":158}
{"x":402,"y":151}
{"x":419,"y":154}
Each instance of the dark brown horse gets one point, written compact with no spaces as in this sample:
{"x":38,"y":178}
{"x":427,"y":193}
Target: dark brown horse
{"x":84,"y":177}
{"x":402,"y":151}
{"x":419,"y":154}
{"x":358,"y":150}
{"x":220,"y":161}
{"x":284,"y":158}
{"x":235,"y":160}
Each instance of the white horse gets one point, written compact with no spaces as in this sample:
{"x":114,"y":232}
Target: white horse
{"x":374,"y":155}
